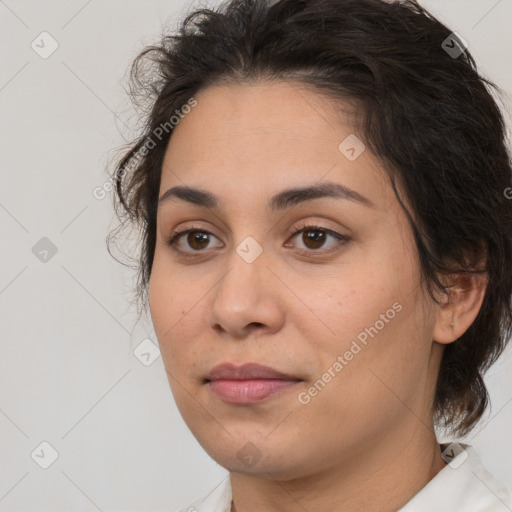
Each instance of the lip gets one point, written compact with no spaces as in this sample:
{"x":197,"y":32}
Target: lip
{"x":247,"y":371}
{"x":248,"y":383}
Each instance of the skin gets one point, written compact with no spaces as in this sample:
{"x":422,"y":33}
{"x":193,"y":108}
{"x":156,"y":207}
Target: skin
{"x":366,"y":441}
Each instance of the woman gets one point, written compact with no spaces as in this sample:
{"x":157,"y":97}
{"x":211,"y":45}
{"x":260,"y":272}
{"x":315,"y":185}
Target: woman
{"x":321,"y":188}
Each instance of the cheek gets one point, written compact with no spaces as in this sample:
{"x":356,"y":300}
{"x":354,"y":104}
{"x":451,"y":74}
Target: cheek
{"x":161,"y":303}
{"x":175,"y":308}
{"x":362,"y":296}
{"x":376,"y":312}
{"x":167,"y":304}
{"x":393,"y":348}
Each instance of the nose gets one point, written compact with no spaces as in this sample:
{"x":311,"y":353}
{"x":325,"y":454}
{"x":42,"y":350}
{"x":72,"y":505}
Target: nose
{"x":247,"y":298}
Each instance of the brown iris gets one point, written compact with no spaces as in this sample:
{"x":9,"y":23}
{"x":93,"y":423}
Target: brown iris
{"x":318,"y":238}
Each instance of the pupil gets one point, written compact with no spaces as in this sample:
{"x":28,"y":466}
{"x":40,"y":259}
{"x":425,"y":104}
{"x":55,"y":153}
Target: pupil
{"x":197,"y":238}
{"x":317,"y":237}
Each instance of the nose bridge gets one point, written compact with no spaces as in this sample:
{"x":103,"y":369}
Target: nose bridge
{"x":243,"y":295}
{"x":249,"y":250}
{"x":245,"y":267}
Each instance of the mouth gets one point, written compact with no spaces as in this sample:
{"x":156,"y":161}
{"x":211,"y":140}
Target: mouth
{"x":248,"y":383}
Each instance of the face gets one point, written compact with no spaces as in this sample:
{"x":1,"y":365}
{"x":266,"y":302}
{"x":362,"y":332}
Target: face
{"x":337,"y":307}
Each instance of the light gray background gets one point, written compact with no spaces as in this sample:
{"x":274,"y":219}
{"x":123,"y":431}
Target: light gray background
{"x":68,"y":374}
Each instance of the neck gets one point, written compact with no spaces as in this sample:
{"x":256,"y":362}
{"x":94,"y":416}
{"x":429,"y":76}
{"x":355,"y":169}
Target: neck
{"x":381,"y":477}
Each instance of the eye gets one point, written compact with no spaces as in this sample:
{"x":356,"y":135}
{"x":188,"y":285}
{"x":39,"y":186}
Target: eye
{"x":197,"y":238}
{"x":314,"y":237}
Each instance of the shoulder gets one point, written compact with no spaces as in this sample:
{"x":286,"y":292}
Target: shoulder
{"x":463,"y":485}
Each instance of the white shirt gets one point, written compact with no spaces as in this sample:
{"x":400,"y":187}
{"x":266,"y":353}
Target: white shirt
{"x":463,"y":485}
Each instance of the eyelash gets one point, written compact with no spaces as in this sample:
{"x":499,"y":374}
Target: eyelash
{"x":171,"y":241}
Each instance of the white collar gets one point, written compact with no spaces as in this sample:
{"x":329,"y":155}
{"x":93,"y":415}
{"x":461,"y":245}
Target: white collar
{"x":463,"y":485}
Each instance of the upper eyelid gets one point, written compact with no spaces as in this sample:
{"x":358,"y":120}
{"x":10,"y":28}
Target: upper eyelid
{"x":295,"y":229}
{"x":295,"y":226}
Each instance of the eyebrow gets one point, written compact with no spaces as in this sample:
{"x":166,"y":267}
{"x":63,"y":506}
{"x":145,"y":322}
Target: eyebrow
{"x":284,"y":199}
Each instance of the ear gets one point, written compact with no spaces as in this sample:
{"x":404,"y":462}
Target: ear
{"x":459,"y":309}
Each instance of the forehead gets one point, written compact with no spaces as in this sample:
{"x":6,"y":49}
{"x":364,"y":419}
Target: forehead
{"x":247,"y":140}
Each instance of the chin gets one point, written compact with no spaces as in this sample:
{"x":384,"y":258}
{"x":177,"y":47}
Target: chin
{"x":264,"y":458}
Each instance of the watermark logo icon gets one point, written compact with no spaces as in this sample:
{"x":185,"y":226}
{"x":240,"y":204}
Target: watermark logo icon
{"x":44,"y":250}
{"x":249,"y":454}
{"x":454,"y":45}
{"x":351,"y":147}
{"x":249,"y":249}
{"x":146,"y":352}
{"x":455,"y":455}
{"x":44,"y":45}
{"x":44,"y":455}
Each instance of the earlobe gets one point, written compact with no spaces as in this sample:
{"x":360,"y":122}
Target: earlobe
{"x":458,"y":311}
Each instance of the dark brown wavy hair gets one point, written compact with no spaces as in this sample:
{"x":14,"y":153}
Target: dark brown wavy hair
{"x":426,"y":113}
